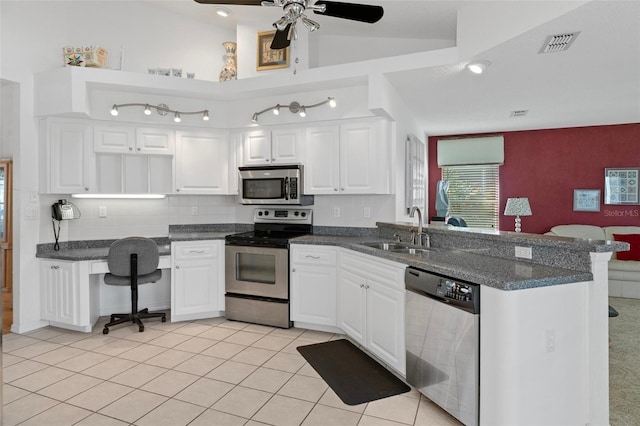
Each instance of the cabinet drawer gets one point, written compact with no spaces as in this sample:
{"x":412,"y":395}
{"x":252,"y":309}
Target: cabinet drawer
{"x":313,"y":255}
{"x":373,"y":268}
{"x":194,"y":250}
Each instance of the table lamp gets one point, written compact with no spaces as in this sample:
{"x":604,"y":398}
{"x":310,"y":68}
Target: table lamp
{"x":517,"y":207}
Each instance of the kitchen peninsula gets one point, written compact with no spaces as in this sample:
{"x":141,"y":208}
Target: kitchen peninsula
{"x":544,"y":330}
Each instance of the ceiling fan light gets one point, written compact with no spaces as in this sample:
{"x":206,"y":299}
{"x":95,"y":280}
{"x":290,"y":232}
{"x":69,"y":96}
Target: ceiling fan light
{"x":477,"y":67}
{"x":281,"y":23}
{"x":309,"y":24}
{"x":223,"y":11}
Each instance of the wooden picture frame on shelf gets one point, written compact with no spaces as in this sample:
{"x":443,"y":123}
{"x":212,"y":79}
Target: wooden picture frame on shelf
{"x":267,"y":58}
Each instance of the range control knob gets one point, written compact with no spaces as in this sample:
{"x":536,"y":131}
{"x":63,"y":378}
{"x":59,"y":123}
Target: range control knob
{"x":297,"y":213}
{"x":303,"y":214}
{"x":259,"y":213}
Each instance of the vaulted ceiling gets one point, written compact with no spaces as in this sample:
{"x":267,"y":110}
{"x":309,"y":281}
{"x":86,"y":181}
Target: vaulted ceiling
{"x":594,"y":82}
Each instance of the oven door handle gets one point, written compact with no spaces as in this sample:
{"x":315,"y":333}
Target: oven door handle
{"x":286,"y":188}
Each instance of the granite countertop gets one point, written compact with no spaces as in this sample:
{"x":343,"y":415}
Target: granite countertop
{"x":503,"y":274}
{"x":99,"y":249}
{"x":464,"y":264}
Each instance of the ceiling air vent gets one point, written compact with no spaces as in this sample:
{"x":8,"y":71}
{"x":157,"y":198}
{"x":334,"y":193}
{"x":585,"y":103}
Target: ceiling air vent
{"x":558,"y":43}
{"x":519,"y":113}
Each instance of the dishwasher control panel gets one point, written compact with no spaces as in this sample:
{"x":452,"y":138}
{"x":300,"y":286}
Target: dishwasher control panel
{"x":454,"y":290}
{"x":461,"y":294}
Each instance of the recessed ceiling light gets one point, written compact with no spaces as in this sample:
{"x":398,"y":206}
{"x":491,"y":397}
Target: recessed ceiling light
{"x":223,"y":11}
{"x":478,"y":67}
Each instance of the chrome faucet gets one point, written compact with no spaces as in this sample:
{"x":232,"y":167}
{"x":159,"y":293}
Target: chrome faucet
{"x":421,"y":238}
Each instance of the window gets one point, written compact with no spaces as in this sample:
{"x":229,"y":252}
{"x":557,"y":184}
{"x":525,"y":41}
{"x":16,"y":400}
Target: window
{"x":474,"y":193}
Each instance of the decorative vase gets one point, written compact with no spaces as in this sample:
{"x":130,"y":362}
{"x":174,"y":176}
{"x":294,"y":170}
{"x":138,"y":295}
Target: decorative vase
{"x":229,"y":71}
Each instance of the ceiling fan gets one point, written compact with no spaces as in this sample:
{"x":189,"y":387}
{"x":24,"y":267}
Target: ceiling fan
{"x":294,"y":10}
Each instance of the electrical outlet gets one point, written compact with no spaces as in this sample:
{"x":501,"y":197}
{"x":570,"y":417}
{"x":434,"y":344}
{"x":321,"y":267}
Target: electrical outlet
{"x":367,"y":212}
{"x":336,"y":212}
{"x":102,"y":211}
{"x":523,"y":252}
{"x":550,"y":340}
{"x":194,"y":210}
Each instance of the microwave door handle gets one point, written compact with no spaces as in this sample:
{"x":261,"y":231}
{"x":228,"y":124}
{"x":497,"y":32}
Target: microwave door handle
{"x":286,"y":188}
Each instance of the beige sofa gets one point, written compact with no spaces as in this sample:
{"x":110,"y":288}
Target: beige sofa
{"x":624,"y":275}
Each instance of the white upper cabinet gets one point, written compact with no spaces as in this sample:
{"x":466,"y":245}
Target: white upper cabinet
{"x":322,"y":160}
{"x":66,"y":157}
{"x":203,"y":163}
{"x":271,"y":147}
{"x":349,"y":158}
{"x":126,"y":139}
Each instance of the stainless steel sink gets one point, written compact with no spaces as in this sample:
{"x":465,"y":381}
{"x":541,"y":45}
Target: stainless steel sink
{"x":386,"y":246}
{"x":411,"y":250}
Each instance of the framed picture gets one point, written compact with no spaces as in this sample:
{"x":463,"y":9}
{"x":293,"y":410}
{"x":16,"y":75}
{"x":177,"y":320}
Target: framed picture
{"x":621,"y":186}
{"x":586,"y":200}
{"x":267,"y":58}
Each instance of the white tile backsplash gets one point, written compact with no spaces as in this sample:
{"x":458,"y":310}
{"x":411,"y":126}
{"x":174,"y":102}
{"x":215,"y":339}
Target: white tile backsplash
{"x":152,"y":218}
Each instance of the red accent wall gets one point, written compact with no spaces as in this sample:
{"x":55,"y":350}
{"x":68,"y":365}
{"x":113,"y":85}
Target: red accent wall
{"x":547,"y":165}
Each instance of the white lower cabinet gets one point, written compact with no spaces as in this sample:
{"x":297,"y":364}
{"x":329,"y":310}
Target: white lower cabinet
{"x":371,"y":305}
{"x":313,"y":284}
{"x":197,"y":280}
{"x":64,"y":292}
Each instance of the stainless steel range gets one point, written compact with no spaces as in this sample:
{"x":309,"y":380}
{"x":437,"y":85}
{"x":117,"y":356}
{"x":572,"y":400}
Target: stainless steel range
{"x":257,"y":266}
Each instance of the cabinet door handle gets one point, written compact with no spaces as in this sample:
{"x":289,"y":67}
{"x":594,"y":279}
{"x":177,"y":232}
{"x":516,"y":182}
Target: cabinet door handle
{"x":55,"y":267}
{"x":312,"y":257}
{"x":341,"y":189}
{"x":335,"y":189}
{"x":138,"y":149}
{"x":293,"y":269}
{"x":366,"y":286}
{"x":130,"y":148}
{"x":86,"y":188}
{"x":361,"y":285}
{"x":177,"y":266}
{"x":196,"y":251}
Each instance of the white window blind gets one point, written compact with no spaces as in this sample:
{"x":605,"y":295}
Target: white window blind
{"x":474,"y":194}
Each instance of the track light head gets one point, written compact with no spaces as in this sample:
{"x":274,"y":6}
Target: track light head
{"x":114,"y":110}
{"x":205,"y":115}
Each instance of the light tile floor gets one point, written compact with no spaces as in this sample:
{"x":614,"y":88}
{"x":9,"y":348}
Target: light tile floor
{"x":206,"y":372}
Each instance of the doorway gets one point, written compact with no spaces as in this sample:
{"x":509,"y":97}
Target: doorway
{"x":6,"y":243}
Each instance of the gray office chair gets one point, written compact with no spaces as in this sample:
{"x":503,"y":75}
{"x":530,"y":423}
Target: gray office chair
{"x":133,"y":261}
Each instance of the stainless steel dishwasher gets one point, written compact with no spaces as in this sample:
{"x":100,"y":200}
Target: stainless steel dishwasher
{"x":443,"y":342}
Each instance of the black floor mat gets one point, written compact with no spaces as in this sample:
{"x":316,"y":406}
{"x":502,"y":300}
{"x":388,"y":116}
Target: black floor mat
{"x":353,"y":375}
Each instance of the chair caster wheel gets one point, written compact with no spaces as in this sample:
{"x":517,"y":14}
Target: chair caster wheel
{"x":141,"y":328}
{"x":105,"y":330}
{"x":164,"y":319}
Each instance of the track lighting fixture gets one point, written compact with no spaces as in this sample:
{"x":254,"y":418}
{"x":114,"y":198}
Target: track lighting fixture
{"x":294,"y":107}
{"x":161,"y":109}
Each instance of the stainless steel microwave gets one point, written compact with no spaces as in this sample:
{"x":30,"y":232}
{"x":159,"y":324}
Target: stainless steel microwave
{"x":273,"y":185}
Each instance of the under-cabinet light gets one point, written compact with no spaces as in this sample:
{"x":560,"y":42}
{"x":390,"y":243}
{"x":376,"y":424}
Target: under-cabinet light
{"x":127,"y":196}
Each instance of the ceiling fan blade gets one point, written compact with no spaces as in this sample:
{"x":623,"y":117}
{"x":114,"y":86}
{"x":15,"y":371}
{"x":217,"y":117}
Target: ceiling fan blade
{"x":281,"y":39}
{"x":232,"y":2}
{"x":356,"y":12}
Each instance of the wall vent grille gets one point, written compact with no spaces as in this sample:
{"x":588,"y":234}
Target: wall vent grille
{"x":558,"y":43}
